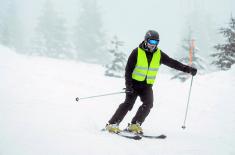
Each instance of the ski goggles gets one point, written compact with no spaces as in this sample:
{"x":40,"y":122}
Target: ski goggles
{"x":153,"y":42}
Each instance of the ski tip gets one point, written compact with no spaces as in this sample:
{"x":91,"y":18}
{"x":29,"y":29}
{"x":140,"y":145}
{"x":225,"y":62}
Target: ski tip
{"x":162,"y":136}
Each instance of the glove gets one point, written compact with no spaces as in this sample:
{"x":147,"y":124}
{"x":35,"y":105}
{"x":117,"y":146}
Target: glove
{"x":192,"y":71}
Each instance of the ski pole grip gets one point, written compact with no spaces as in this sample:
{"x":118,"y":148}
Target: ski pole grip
{"x":128,"y":91}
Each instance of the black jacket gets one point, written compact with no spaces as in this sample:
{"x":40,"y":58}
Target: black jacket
{"x":165,"y":59}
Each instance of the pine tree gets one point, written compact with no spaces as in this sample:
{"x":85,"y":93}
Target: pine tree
{"x":89,"y":38}
{"x":51,"y":35}
{"x":196,"y":16}
{"x":2,"y":16}
{"x":10,"y":25}
{"x":117,"y":66}
{"x":226,"y":57}
{"x":192,"y":59}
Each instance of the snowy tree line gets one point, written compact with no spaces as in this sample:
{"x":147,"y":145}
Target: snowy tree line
{"x":223,"y":57}
{"x":10,"y":25}
{"x":52,"y":36}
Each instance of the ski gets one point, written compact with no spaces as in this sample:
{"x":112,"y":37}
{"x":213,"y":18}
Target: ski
{"x":143,"y":135}
{"x":153,"y":136}
{"x":130,"y":135}
{"x":135,"y":137}
{"x":125,"y":135}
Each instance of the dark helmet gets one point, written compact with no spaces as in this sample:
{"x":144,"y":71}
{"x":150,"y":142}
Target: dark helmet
{"x":151,"y":34}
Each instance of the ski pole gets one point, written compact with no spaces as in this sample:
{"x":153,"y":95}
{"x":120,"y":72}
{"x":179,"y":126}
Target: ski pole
{"x":186,"y":112}
{"x":81,"y":98}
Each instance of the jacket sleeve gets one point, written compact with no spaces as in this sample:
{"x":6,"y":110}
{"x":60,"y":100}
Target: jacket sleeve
{"x":166,"y":60}
{"x":131,"y":62}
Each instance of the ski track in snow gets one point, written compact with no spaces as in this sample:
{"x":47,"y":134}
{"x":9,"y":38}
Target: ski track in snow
{"x":39,"y":115}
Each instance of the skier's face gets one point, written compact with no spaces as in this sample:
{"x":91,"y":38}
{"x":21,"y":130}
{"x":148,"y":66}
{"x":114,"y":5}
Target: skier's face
{"x":152,"y":45}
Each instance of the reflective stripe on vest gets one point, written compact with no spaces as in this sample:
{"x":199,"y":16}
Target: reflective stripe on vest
{"x":142,"y":69}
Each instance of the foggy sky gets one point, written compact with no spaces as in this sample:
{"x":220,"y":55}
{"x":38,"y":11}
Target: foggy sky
{"x":130,"y":19}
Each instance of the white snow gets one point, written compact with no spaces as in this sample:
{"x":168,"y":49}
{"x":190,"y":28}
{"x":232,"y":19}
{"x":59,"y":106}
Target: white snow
{"x":39,"y":115}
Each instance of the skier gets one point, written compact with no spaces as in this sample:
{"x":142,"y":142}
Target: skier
{"x":141,"y":70}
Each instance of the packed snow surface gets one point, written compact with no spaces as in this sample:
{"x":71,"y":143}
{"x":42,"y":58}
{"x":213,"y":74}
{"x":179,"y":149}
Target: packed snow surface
{"x":39,"y":114}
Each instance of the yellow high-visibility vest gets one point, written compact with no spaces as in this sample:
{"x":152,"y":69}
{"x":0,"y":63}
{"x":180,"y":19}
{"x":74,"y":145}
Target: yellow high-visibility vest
{"x":143,"y":70}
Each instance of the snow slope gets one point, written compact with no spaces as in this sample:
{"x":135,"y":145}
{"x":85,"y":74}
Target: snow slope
{"x":39,"y":115}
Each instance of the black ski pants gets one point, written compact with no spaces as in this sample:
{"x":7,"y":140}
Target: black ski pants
{"x":145,"y":92}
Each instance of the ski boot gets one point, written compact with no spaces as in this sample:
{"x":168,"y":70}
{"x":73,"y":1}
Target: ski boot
{"x":135,"y":128}
{"x":113,"y":128}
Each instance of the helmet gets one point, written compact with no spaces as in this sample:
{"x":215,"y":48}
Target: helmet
{"x":151,"y":34}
